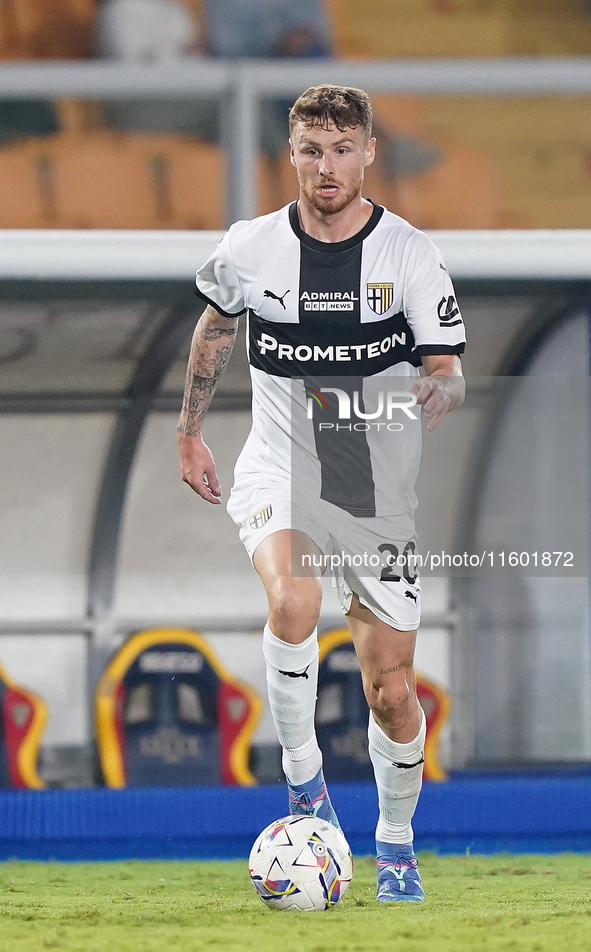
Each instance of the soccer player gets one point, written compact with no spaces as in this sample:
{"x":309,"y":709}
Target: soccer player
{"x":344,"y":300}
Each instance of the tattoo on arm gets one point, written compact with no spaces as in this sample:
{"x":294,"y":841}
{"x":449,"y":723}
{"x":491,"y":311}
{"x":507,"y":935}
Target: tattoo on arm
{"x":210,"y":353}
{"x":395,"y":667}
{"x":214,"y":333}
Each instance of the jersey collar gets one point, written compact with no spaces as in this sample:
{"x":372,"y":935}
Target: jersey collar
{"x":331,"y":247}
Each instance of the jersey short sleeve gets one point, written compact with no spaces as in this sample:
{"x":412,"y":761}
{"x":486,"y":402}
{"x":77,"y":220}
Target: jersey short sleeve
{"x":217,"y":281}
{"x":430,"y":304}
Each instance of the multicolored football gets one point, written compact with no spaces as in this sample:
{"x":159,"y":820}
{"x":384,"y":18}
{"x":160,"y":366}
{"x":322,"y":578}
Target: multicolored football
{"x":300,"y":862}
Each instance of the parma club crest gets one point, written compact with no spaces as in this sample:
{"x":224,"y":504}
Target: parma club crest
{"x":380,"y":296}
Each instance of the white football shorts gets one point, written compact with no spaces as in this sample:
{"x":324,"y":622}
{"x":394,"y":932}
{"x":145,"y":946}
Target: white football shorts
{"x":371,"y":557}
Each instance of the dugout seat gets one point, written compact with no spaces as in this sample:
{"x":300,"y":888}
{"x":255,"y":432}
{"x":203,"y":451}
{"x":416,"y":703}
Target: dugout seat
{"x":22,"y":719}
{"x":169,"y":714}
{"x":341,"y":713}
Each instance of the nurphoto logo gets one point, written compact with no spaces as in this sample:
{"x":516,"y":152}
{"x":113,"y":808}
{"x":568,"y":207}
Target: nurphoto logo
{"x":388,"y":404}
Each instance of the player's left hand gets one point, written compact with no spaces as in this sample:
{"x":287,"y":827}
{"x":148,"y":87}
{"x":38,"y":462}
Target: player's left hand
{"x":433,"y":394}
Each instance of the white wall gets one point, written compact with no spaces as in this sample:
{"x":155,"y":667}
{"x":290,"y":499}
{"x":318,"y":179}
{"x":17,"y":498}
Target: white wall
{"x":50,"y":468}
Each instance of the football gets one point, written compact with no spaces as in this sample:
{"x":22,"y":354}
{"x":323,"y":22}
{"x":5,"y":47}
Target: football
{"x":301,"y":863}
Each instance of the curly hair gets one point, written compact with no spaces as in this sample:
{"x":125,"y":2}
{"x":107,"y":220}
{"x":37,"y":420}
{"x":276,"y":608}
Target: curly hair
{"x":342,"y":106}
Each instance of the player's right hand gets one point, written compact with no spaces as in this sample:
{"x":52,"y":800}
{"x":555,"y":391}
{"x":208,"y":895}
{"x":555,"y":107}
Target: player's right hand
{"x":198,"y":468}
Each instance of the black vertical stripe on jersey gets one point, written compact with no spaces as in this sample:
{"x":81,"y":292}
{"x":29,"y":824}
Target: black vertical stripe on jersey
{"x":344,"y":456}
{"x":345,"y":464}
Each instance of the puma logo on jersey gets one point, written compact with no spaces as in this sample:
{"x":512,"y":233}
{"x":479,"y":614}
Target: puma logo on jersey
{"x":271,"y":294}
{"x":296,"y":674}
{"x":410,"y":595}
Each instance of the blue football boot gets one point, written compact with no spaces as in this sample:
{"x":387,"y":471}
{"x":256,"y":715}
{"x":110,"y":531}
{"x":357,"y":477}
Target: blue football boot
{"x":312,"y":799}
{"x":398,"y":875}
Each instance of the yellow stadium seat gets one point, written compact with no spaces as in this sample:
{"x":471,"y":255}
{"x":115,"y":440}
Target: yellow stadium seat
{"x":276,"y":183}
{"x":6,"y":33}
{"x":25,"y":200}
{"x":188,"y":178}
{"x":59,"y":29}
{"x":402,"y":114}
{"x":197,"y":183}
{"x":284,"y":181}
{"x":379,"y":189}
{"x":79,"y":115}
{"x":460,"y":191}
{"x":98,"y":181}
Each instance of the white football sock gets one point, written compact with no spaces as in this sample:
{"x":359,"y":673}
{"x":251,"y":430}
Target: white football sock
{"x":292,"y":680}
{"x":398,"y":787}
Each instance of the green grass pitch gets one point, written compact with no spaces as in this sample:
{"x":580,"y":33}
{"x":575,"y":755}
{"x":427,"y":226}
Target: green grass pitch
{"x":534,"y":903}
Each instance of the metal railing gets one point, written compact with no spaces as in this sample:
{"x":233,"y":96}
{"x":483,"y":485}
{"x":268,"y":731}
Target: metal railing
{"x":56,"y":255}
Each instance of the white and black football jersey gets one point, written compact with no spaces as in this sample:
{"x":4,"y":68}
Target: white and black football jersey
{"x":333,"y":328}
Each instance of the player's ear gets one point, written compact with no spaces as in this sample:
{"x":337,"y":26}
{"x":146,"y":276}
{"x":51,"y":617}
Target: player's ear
{"x":291,"y":153}
{"x":370,"y":152}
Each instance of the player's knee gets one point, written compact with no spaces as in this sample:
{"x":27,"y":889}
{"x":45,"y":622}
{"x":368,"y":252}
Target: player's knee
{"x":294,"y":607}
{"x":390,"y":700}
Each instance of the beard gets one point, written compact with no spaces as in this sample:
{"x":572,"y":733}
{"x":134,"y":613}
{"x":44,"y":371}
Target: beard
{"x":331,"y":206}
